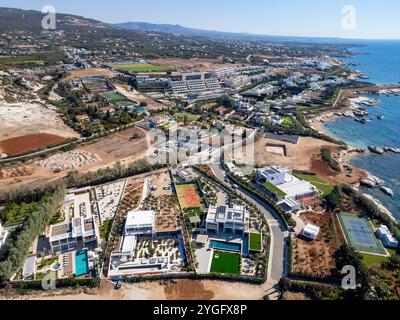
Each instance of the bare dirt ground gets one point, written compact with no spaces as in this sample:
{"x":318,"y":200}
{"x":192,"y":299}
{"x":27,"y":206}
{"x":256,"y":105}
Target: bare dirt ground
{"x":120,"y":146}
{"x":91,"y":72}
{"x":305,"y":156}
{"x":182,"y":290}
{"x":315,"y":257}
{"x":190,"y":65}
{"x":27,"y":143}
{"x":110,"y":149}
{"x":20,"y":119}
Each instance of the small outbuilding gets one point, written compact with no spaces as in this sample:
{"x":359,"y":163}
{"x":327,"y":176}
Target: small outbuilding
{"x":311,"y":231}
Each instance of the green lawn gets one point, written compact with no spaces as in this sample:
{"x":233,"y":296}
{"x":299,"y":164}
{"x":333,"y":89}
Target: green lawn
{"x":370,"y":259}
{"x":322,"y":185}
{"x":137,"y":68}
{"x":105,"y":228}
{"x":255,"y":242}
{"x":287,"y":122}
{"x":115,"y":96}
{"x":225,"y":263}
{"x":180,"y":116}
{"x":274,"y":189}
{"x":41,"y":57}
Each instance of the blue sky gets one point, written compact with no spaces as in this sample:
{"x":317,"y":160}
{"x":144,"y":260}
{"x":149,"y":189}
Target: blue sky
{"x":374,"y":19}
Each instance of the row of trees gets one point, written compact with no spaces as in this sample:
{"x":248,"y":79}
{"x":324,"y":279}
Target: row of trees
{"x":18,"y":244}
{"x":34,"y":192}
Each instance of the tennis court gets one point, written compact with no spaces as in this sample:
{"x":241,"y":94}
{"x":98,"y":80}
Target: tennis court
{"x":360,"y":234}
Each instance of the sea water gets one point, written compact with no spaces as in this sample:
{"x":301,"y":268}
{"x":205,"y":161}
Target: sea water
{"x":380,"y":61}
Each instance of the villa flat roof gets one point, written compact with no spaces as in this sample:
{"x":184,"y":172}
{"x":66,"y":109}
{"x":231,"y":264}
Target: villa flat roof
{"x":296,"y":186}
{"x":140,"y":218}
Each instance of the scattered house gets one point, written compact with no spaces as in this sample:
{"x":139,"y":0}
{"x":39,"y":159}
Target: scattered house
{"x":224,"y":219}
{"x":387,"y":238}
{"x":82,"y":118}
{"x":310,"y":231}
{"x":29,"y":269}
{"x":106,"y":109}
{"x":3,"y":235}
{"x":78,"y":233}
{"x":140,"y":223}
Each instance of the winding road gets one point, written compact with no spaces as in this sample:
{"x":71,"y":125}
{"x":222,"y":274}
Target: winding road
{"x":279,"y":252}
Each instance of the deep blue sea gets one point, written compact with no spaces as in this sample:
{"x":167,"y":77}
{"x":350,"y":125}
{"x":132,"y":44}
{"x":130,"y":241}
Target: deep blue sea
{"x":380,"y":61}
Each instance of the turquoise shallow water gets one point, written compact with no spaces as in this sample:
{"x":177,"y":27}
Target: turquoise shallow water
{"x":382,"y":65}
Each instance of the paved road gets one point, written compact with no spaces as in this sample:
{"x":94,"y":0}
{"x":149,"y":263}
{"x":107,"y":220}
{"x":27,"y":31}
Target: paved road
{"x":277,"y":267}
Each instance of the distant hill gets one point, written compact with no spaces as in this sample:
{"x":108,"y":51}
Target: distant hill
{"x":181,"y":30}
{"x":29,"y":20}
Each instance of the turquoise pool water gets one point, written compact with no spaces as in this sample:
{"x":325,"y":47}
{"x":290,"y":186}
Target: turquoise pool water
{"x":81,"y":263}
{"x":227,"y":246}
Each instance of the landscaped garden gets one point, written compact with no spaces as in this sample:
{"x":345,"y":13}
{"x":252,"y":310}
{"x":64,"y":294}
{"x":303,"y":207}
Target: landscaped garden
{"x":274,"y":189}
{"x":322,"y":185}
{"x":255,"y":242}
{"x":223,"y":262}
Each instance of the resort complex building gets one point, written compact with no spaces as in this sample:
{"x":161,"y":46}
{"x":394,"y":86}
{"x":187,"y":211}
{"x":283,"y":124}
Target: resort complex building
{"x":75,"y":234}
{"x":224,"y":219}
{"x":3,"y":235}
{"x":285,"y":187}
{"x":196,"y":84}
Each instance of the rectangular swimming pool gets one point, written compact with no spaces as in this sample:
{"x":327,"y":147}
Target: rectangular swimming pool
{"x":227,"y":246}
{"x":81,"y":263}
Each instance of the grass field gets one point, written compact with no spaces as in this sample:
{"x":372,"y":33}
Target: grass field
{"x":115,"y":96}
{"x":180,"y":116}
{"x":370,"y":259}
{"x":322,"y":185}
{"x":275,"y":190}
{"x":287,"y":122}
{"x":137,"y":68}
{"x":225,"y":263}
{"x":255,"y":242}
{"x":188,"y":196}
{"x":43,"y":57}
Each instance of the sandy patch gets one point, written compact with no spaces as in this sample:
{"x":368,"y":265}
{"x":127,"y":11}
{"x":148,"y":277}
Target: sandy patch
{"x":18,"y":119}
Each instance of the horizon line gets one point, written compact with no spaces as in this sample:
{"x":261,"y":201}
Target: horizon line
{"x":228,"y":32}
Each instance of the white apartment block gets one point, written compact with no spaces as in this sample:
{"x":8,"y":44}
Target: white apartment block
{"x":224,"y":219}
